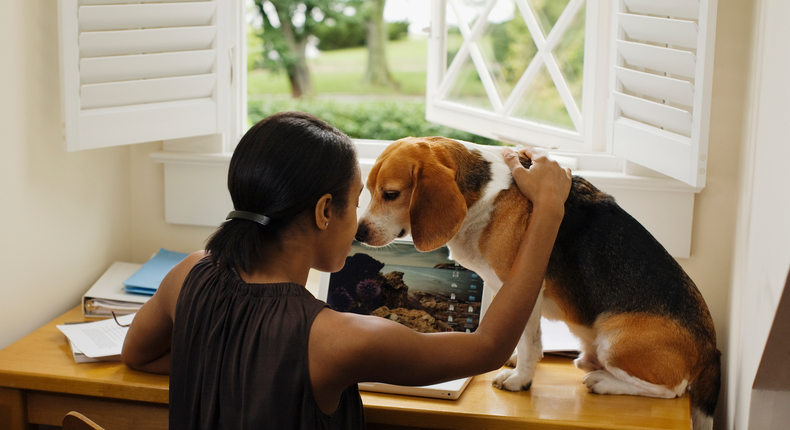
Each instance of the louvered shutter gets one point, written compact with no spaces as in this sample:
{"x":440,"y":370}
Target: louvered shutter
{"x":661,"y":85}
{"x":135,"y":72}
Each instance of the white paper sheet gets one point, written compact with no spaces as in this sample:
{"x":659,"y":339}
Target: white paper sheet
{"x":100,"y":338}
{"x":556,"y":336}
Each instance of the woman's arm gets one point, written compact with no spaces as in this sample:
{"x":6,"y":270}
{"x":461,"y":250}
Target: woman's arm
{"x":375,"y":349}
{"x":147,"y":343}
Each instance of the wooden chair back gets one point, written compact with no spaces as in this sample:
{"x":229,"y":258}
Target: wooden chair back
{"x":76,"y":421}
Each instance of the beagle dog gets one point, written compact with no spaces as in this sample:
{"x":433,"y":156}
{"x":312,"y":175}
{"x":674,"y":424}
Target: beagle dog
{"x":644,"y":327}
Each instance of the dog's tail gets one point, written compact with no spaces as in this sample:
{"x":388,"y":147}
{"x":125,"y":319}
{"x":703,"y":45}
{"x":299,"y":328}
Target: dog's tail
{"x":704,"y":393}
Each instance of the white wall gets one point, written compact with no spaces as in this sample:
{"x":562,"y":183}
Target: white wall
{"x":64,"y":217}
{"x":151,"y":232}
{"x":762,"y":253}
{"x":713,"y":230}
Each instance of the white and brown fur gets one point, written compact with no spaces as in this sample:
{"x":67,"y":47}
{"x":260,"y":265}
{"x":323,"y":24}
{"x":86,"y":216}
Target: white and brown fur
{"x":643,"y":325}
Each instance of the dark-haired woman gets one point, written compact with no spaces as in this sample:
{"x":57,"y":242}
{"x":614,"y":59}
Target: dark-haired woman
{"x":247,"y":346}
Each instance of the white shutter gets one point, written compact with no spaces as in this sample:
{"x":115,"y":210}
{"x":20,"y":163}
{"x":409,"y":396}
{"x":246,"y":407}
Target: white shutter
{"x":661,"y":85}
{"x":135,"y":71}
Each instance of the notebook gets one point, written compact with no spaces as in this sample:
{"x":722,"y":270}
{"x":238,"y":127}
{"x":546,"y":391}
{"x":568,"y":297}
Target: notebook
{"x":426,"y":292}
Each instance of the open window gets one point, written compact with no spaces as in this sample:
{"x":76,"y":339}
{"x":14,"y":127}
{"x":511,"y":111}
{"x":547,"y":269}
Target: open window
{"x":523,"y":71}
{"x":617,"y":87}
{"x":512,"y":71}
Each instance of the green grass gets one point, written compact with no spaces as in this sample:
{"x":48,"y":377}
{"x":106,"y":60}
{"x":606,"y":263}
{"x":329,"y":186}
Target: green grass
{"x":341,"y":72}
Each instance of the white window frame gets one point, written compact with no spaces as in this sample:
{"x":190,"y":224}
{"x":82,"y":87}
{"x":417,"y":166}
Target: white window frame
{"x":196,"y":169}
{"x":658,"y":107}
{"x":498,"y":124}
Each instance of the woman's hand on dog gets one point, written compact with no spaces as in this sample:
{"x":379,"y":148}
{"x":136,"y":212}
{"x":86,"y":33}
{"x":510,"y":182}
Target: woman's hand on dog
{"x":545,"y":183}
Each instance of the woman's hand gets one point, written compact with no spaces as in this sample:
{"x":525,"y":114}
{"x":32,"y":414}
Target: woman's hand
{"x":545,"y":183}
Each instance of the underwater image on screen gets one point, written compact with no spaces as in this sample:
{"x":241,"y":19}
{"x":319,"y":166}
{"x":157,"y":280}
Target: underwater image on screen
{"x":426,"y":292}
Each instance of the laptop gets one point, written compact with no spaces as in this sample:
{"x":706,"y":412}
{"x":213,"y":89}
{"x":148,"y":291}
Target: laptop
{"x":425,"y":291}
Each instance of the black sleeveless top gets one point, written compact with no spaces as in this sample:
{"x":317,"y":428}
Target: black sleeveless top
{"x":239,"y":357}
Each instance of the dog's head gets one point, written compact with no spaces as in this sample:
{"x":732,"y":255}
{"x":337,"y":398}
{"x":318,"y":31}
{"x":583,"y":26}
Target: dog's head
{"x":413,"y":190}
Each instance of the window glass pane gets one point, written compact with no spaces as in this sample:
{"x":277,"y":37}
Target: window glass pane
{"x":547,"y":12}
{"x":471,"y":10}
{"x":507,"y":46}
{"x":542,"y":103}
{"x":570,"y":55}
{"x":468,"y":88}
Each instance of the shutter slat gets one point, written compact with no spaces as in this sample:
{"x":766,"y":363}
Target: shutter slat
{"x":157,"y":15}
{"x":675,"y":8}
{"x":147,"y":66}
{"x":653,"y":148}
{"x":107,"y":43}
{"x":668,"y":117}
{"x":657,"y":58}
{"x":673,"y":90}
{"x":147,"y":123}
{"x":660,"y":30}
{"x":113,"y":94}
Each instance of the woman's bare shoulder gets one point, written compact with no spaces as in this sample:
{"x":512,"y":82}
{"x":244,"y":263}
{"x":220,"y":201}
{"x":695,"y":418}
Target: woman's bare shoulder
{"x":171,"y":285}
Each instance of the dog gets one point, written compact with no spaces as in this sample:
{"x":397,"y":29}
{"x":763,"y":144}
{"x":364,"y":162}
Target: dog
{"x":643,"y":325}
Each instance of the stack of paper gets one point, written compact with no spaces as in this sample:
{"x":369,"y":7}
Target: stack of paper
{"x":108,"y":293}
{"x":97,"y":341}
{"x":125,"y":287}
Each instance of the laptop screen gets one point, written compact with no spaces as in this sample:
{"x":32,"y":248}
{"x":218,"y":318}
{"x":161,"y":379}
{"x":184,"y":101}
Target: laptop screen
{"x":426,"y":292}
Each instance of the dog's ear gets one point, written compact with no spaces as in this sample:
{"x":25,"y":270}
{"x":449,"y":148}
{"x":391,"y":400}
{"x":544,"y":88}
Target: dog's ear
{"x":437,"y":206}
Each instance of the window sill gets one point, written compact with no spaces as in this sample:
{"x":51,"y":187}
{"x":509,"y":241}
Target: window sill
{"x":196,"y":194}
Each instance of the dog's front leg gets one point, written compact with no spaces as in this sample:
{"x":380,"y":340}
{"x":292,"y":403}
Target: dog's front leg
{"x":529,"y":351}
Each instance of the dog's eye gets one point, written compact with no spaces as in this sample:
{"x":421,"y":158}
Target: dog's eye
{"x":391,"y":195}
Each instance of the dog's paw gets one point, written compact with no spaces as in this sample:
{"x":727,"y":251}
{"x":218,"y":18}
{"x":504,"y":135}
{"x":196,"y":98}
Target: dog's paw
{"x":511,"y":380}
{"x":602,"y":382}
{"x":511,"y":362}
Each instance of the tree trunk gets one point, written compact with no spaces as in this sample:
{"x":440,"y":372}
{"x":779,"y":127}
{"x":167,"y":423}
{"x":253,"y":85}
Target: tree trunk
{"x":298,"y":72}
{"x":378,"y":72}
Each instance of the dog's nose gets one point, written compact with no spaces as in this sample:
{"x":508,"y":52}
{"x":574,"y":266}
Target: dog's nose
{"x":362,"y":233}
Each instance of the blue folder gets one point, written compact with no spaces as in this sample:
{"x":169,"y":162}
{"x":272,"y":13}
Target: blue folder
{"x":147,"y":279}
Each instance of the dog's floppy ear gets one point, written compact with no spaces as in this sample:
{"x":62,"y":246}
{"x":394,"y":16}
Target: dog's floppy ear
{"x":437,"y":206}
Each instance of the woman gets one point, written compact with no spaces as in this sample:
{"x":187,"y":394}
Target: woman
{"x":247,"y":346}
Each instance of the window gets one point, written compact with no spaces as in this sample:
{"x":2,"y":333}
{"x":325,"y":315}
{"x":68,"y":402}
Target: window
{"x":539,"y":88}
{"x":174,"y":69}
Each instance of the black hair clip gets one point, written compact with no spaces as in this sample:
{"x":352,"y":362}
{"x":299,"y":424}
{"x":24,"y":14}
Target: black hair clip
{"x":249,"y":216}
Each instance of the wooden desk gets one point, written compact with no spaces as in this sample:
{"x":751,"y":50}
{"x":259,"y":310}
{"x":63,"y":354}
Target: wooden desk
{"x":39,"y":384}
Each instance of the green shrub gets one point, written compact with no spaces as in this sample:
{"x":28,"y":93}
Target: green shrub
{"x":347,"y":33}
{"x":397,"y":30}
{"x":352,"y":32}
{"x":382,"y":120}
